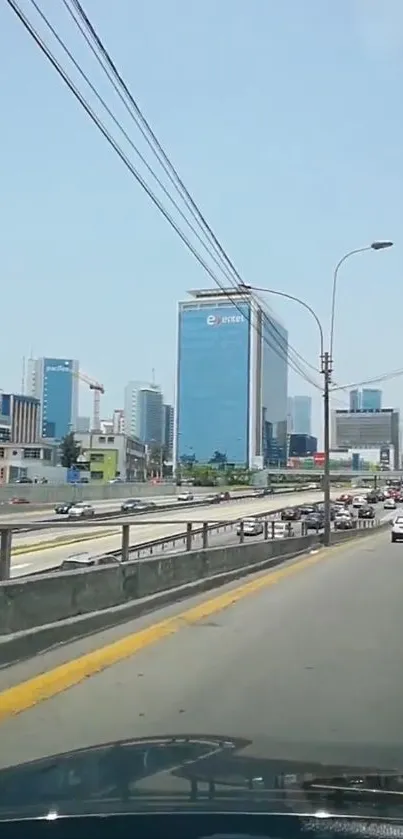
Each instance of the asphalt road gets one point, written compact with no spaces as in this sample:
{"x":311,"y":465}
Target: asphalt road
{"x":308,"y":666}
{"x":34,"y":560}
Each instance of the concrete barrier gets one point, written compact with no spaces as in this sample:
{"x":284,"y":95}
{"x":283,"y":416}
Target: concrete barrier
{"x":39,"y":612}
{"x":360,"y":532}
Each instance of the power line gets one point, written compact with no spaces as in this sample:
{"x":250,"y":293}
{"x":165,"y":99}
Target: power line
{"x":101,"y":126}
{"x":103,"y":57}
{"x":385,"y":377}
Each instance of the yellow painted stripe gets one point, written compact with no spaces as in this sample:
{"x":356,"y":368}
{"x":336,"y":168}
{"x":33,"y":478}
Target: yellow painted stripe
{"x":34,"y":547}
{"x":26,"y":695}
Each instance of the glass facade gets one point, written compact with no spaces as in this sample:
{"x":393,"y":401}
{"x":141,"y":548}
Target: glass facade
{"x":274,"y":392}
{"x":213,"y":382}
{"x":59,"y":385}
{"x":371,"y":400}
{"x":150,"y":416}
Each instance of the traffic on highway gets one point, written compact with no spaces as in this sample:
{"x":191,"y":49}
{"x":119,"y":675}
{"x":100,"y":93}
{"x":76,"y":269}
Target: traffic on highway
{"x":51,"y":549}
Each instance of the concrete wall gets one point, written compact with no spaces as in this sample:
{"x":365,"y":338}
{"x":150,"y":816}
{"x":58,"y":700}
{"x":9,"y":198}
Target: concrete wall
{"x":26,"y":604}
{"x":47,"y":494}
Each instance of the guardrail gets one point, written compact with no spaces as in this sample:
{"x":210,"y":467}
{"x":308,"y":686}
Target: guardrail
{"x":188,"y":539}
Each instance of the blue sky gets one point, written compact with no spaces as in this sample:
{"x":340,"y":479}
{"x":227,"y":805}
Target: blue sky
{"x":285,"y":124}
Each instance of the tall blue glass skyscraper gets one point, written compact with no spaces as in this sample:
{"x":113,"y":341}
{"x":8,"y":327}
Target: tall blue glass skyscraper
{"x":231,"y":382}
{"x":54,"y":381}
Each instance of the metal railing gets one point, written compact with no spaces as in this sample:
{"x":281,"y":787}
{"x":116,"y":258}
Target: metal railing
{"x":194,"y":536}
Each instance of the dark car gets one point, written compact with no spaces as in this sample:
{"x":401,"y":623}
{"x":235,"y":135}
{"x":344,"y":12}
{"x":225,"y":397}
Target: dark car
{"x":366,"y":512}
{"x":130,"y":506}
{"x":315,"y":521}
{"x":307,"y":509}
{"x":291,"y":514}
{"x":261,"y":492}
{"x":63,"y":508}
{"x":213,"y":499}
{"x":373,"y":497}
{"x":333,"y":509}
{"x":225,"y":496}
{"x":344,"y":522}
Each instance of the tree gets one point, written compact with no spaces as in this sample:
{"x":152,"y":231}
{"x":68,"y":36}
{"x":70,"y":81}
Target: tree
{"x":69,"y":450}
{"x":219,"y":458}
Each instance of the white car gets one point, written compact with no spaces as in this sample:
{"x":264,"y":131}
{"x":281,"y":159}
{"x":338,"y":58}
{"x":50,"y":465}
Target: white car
{"x":81,"y":511}
{"x":397,"y":529}
{"x":389,"y":504}
{"x":359,"y":501}
{"x":251,"y":527}
{"x":186,"y":496}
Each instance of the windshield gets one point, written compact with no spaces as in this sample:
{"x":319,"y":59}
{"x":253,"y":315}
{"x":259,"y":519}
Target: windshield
{"x":202,"y":233}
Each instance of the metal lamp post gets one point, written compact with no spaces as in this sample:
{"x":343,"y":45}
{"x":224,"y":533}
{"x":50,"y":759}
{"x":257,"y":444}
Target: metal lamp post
{"x":326,"y":366}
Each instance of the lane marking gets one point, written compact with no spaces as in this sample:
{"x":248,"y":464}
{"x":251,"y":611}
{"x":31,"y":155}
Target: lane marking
{"x":26,"y":695}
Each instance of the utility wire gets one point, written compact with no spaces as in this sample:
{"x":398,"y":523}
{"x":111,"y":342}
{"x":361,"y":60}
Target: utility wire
{"x":101,"y":126}
{"x":93,"y":40}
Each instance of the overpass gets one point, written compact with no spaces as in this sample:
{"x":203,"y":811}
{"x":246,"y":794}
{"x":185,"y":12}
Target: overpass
{"x":317,"y":472}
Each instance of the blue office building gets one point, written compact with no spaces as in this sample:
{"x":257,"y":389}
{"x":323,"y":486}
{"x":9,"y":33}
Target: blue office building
{"x":371,"y":399}
{"x":150,"y":416}
{"x":231,"y":384}
{"x":54,"y":381}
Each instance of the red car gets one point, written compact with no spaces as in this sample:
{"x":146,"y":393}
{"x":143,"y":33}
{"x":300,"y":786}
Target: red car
{"x":19,"y":501}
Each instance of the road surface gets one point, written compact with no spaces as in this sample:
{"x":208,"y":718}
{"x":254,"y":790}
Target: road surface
{"x":109,"y":538}
{"x":34,"y":560}
{"x":306,"y":662}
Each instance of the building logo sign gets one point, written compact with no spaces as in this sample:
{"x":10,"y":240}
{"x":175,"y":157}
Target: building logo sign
{"x":58,"y":368}
{"x":218,"y":320}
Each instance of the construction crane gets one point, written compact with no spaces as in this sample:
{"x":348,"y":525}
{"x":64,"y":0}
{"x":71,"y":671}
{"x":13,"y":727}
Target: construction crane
{"x":98,"y":389}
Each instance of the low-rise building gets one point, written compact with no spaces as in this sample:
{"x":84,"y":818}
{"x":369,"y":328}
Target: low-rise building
{"x":105,"y":457}
{"x":19,"y":418}
{"x":39,"y":462}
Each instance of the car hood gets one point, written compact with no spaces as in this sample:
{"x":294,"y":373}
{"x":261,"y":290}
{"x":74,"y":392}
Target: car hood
{"x":171,"y":772}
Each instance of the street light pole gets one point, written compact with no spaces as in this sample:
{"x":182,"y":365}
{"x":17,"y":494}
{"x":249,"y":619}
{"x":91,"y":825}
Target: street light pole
{"x":326,"y":367}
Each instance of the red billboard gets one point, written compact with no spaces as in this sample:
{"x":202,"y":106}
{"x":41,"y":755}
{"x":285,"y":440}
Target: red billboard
{"x":319,"y":459}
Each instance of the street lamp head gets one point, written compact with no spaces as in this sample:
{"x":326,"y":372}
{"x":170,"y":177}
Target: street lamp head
{"x":379,"y":246}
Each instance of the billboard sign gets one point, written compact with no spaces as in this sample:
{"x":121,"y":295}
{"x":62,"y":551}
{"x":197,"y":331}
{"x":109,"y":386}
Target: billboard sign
{"x":319,"y":459}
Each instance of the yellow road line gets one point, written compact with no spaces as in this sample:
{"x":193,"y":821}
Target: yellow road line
{"x":27,"y":694}
{"x":35,"y":547}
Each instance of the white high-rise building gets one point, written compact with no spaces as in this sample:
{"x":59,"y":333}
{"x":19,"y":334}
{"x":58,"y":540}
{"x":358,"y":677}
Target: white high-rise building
{"x":143,"y":411}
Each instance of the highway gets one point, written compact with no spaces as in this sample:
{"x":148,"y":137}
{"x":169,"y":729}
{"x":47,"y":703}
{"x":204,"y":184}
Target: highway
{"x":305,"y":661}
{"x":48,"y":549}
{"x":35,"y":559}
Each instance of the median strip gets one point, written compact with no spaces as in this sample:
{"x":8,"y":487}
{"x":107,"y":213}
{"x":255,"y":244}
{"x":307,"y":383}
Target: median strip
{"x":35,"y":547}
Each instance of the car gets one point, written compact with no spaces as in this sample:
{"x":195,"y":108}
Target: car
{"x":345,"y":498}
{"x":307,"y":509}
{"x":251,"y":527}
{"x":366,"y":512}
{"x":213,"y":499}
{"x":291,"y":514}
{"x":87,"y":560}
{"x":63,"y":508}
{"x":185,"y":496}
{"x":261,"y":492}
{"x":19,"y":501}
{"x":343,"y":521}
{"x":225,"y":496}
{"x":315,"y":521}
{"x":359,"y":501}
{"x":130,"y":505}
{"x":373,"y":498}
{"x":397,"y":529}
{"x":389,"y":504}
{"x":81,"y":511}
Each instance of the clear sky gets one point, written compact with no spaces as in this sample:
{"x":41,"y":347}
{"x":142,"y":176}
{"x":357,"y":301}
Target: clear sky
{"x":285,"y":122}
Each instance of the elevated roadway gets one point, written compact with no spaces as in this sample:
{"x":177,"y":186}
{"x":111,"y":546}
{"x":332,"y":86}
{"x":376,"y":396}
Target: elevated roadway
{"x":109,"y":538}
{"x":304,"y":661}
